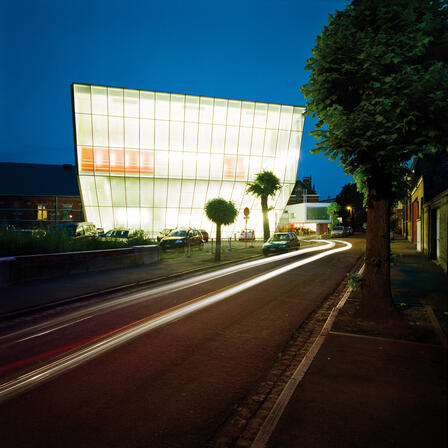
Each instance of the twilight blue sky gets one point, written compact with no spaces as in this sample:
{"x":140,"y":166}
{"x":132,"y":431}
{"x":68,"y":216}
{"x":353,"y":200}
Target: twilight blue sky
{"x":243,"y":49}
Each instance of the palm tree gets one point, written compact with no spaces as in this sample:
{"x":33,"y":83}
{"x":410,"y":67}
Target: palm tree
{"x":265,"y":184}
{"x":221,"y":212}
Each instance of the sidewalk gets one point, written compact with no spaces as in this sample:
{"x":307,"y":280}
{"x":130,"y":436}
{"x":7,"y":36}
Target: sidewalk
{"x":370,"y":392}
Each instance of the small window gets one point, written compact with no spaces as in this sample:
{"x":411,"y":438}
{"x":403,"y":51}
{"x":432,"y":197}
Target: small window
{"x":67,"y":213}
{"x":42,"y":212}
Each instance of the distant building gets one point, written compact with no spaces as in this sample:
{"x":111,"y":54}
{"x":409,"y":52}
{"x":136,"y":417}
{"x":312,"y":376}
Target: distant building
{"x":304,"y":212}
{"x":36,"y":195}
{"x":426,"y":211}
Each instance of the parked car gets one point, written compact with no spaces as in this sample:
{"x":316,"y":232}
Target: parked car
{"x":180,"y":238}
{"x":281,"y":242}
{"x":76,"y":229}
{"x":338,"y":230}
{"x":204,"y":234}
{"x":163,"y":233}
{"x":247,"y":235}
{"x":100,"y":232}
{"x":348,"y":230}
{"x":116,"y":235}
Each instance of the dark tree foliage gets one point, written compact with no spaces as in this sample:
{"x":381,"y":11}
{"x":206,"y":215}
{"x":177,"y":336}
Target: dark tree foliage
{"x":379,"y":87}
{"x":349,"y":196}
{"x":221,"y":212}
{"x":265,"y":184}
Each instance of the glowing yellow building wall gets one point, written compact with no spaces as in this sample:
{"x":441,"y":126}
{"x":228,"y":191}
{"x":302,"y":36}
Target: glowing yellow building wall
{"x":151,"y":160}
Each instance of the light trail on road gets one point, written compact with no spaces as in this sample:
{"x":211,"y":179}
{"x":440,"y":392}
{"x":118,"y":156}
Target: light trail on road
{"x":93,"y":311}
{"x":114,"y":339}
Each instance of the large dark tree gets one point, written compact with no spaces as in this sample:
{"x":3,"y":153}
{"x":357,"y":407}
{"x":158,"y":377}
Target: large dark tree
{"x":265,"y":184}
{"x":379,"y":87}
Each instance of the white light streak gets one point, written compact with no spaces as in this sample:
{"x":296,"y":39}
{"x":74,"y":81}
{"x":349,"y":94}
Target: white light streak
{"x":51,"y":370}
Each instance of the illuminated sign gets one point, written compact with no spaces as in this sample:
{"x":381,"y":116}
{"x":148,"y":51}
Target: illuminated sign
{"x":152,"y":160}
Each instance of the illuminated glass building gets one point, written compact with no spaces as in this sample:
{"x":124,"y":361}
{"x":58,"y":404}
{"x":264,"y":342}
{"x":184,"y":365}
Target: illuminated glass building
{"x":151,"y":160}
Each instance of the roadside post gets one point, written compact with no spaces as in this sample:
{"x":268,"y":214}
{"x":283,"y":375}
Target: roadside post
{"x":246,"y":217}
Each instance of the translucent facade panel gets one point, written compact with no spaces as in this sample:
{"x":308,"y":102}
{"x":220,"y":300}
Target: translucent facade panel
{"x":270,"y":142}
{"x":159,"y":218}
{"x":186,"y":199}
{"x":213,"y":190}
{"x":234,"y":113}
{"x":218,"y":138}
{"x":175,"y":164}
{"x":216,"y":166}
{"x":163,"y":106}
{"x":232,"y":134}
{"x":173,"y":197}
{"x":146,"y":219}
{"x":283,"y":143}
{"x":116,"y":132}
{"x":107,"y":218}
{"x":146,"y":192}
{"x":200,"y":193}
{"x":239,"y":190}
{"x":131,"y":135}
{"x":147,"y":105}
{"x":133,"y":216}
{"x":192,"y":109}
{"x":162,"y":134}
{"x":226,"y":190}
{"x":205,"y":137}
{"x":257,"y":141}
{"x":191,"y":137}
{"x":220,"y":111}
{"x":261,"y":111}
{"x":120,"y":217}
{"x":171,"y":217}
{"x":291,"y":168}
{"x":294,"y":141}
{"x":184,"y":217}
{"x":84,"y":129}
{"x":177,"y":107}
{"x":245,"y":141}
{"x":205,"y":110}
{"x":203,"y":166}
{"x":132,"y":192}
{"x":118,"y":191}
{"x":189,"y":165}
{"x":161,"y":163}
{"x":131,"y":103}
{"x":273,"y":116}
{"x":93,"y":214}
{"x":268,"y":163}
{"x":100,"y":130}
{"x":160,"y":192}
{"x":247,"y":114}
{"x":254,"y":167}
{"x":286,"y":117}
{"x":103,"y":191}
{"x":279,"y":166}
{"x":297,"y":119}
{"x":196,"y":219}
{"x":176,"y":135}
{"x":88,"y":189}
{"x":147,"y":134}
{"x":82,"y":99}
{"x":116,"y":160}
{"x":115,"y":101}
{"x":99,"y":100}
{"x":132,"y":162}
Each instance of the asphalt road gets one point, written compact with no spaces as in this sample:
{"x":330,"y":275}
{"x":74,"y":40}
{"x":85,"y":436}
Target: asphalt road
{"x":173,"y":385}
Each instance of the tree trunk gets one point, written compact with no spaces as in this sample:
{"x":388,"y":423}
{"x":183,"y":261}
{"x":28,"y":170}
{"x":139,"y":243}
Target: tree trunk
{"x":376,"y":301}
{"x":264,"y":210}
{"x":218,"y":243}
